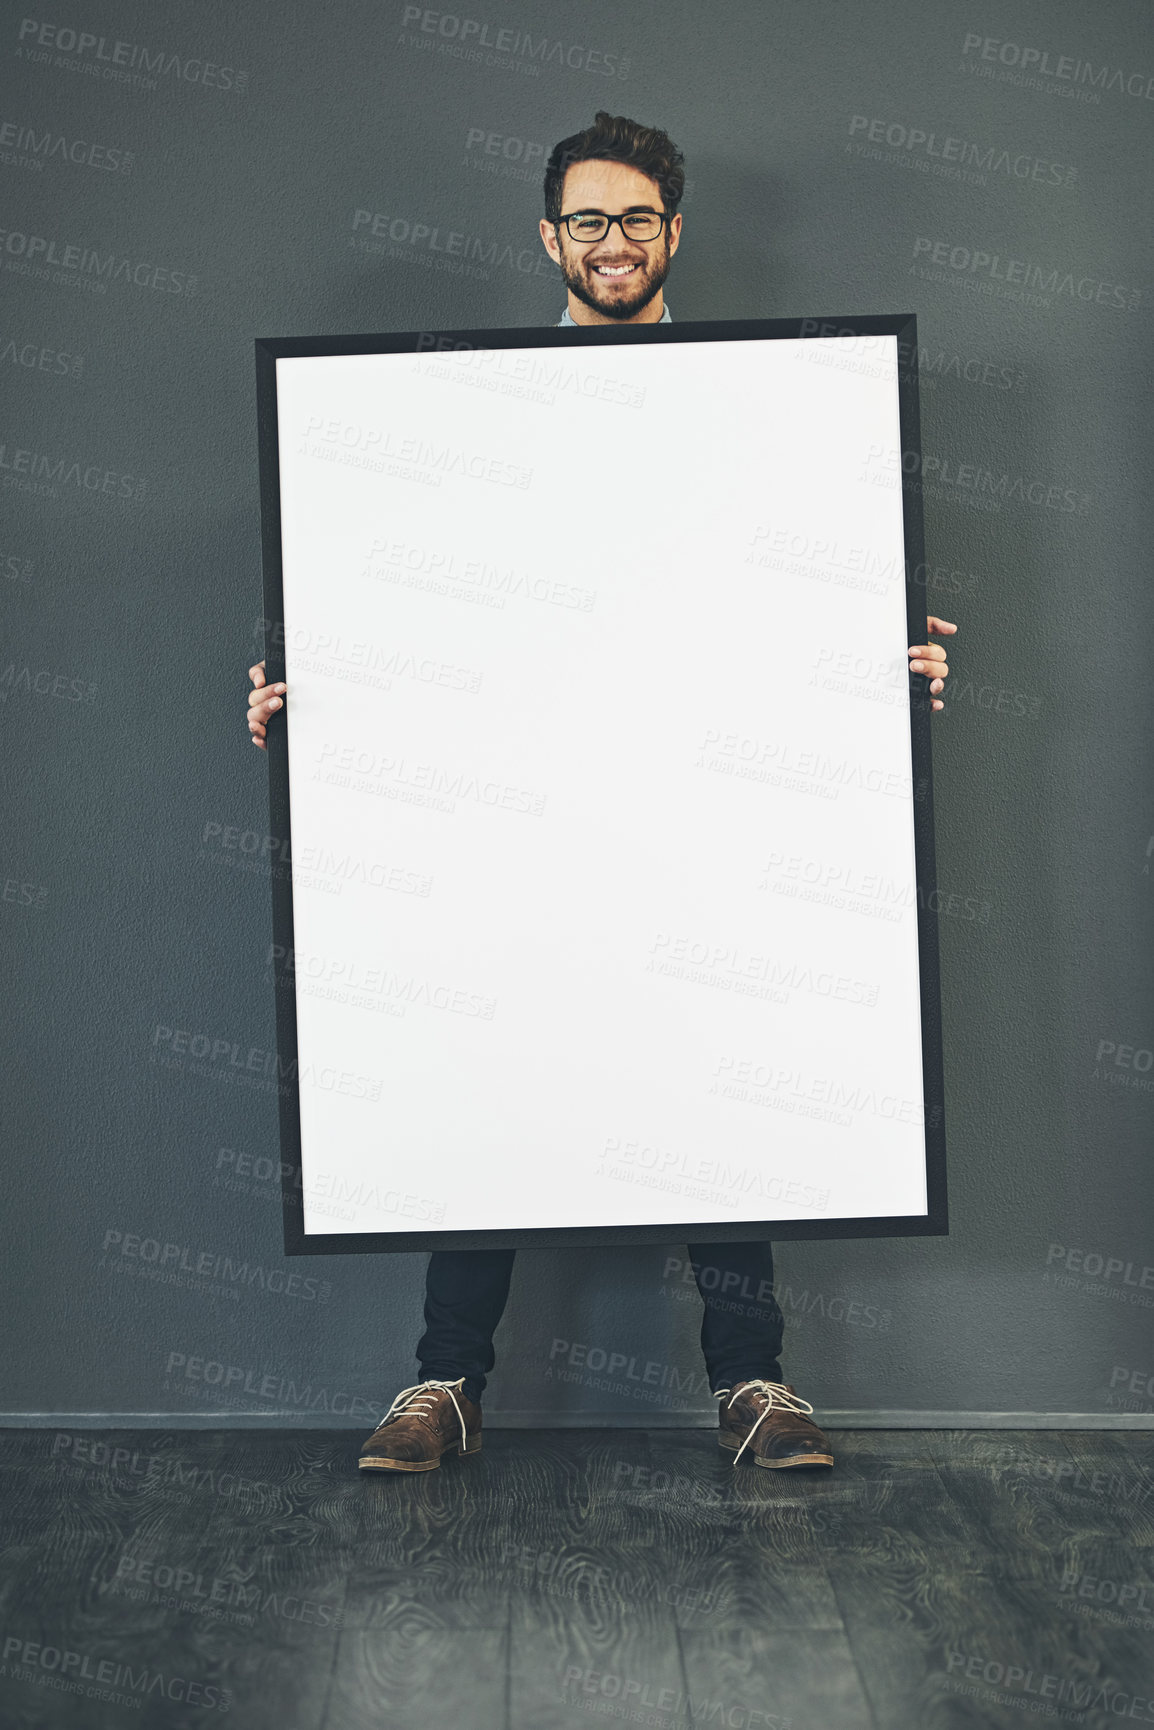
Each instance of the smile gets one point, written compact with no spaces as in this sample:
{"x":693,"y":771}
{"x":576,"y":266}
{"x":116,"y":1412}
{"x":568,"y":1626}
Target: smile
{"x":616,"y":269}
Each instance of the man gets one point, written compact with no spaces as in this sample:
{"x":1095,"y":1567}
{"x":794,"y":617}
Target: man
{"x":612,"y":227}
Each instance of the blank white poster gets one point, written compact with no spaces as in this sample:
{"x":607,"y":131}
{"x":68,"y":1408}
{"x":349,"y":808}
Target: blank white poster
{"x":604,"y":890}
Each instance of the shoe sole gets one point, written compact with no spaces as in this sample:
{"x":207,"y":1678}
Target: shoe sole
{"x":373,"y":1463}
{"x":789,"y":1459}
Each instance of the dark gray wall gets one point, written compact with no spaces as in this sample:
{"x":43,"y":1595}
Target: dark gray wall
{"x":131,"y":907}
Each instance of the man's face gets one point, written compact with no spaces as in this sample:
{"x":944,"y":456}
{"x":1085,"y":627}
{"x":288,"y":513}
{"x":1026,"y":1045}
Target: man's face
{"x":615,"y":276}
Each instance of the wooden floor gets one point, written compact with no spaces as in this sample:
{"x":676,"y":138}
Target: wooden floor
{"x":558,"y":1578}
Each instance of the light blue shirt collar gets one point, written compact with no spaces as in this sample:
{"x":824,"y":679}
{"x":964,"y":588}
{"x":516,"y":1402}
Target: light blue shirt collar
{"x":565,"y":319}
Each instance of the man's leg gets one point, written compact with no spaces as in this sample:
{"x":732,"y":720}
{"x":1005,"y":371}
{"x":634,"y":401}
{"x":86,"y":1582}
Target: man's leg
{"x":465,"y":1293}
{"x":741,"y":1330}
{"x":741,"y":1338}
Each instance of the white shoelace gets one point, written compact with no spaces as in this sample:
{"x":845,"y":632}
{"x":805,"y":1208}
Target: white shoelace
{"x":421,"y":1398}
{"x":776,"y":1394}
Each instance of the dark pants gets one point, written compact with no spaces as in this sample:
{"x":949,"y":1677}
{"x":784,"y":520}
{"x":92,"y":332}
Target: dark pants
{"x":465,"y":1293}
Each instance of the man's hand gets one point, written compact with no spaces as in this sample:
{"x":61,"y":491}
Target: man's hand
{"x":264,"y":703}
{"x":928,"y":658}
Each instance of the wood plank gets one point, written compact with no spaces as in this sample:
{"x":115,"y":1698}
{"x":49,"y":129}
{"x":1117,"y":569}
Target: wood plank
{"x":770,"y":1678}
{"x":922,"y":1639}
{"x":1115,"y":1467}
{"x":409,"y":1674}
{"x":567,"y":1657}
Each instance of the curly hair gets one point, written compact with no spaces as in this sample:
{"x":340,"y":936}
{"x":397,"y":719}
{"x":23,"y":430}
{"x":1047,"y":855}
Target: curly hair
{"x":613,"y":138}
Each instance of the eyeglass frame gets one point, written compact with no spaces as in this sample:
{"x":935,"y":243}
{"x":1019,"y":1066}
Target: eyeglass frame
{"x":662,"y":216}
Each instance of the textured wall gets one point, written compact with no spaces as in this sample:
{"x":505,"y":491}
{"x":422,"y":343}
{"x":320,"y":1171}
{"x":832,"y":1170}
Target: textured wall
{"x":841,"y":159}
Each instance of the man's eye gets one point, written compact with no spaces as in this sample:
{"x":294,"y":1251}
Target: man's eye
{"x":588,"y":222}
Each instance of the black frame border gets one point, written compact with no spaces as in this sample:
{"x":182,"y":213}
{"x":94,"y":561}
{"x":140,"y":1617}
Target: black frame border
{"x":935,"y":1221}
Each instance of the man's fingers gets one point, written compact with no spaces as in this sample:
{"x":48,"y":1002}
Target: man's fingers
{"x":262,"y":704}
{"x":939,"y":625}
{"x":933,"y":669}
{"x":261,"y":699}
{"x":928,"y":651}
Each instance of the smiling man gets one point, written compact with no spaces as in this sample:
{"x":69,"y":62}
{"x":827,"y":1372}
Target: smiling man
{"x":612,"y":226}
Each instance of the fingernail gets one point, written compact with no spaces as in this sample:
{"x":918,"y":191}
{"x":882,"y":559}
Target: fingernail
{"x":274,"y":703}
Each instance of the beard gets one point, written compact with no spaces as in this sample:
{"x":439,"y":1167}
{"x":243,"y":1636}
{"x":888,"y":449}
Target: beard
{"x":587,"y":287}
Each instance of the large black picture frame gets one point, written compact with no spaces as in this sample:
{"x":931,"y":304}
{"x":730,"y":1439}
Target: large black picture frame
{"x":903,"y":326}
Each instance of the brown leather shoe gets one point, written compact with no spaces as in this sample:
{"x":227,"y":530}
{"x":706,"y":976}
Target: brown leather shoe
{"x":769,"y":1419}
{"x":423,"y":1422}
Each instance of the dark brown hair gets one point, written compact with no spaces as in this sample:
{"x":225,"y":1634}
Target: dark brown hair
{"x":613,"y":138}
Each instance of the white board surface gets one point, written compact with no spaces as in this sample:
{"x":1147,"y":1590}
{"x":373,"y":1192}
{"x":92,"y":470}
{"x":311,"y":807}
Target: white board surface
{"x":599,"y":751}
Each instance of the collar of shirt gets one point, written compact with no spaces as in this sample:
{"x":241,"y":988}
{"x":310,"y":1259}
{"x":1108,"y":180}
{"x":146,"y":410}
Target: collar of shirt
{"x":565,"y":319}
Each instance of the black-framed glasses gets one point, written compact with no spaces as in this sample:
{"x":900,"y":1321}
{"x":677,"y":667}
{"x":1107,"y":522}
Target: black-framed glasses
{"x":593,"y":225}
